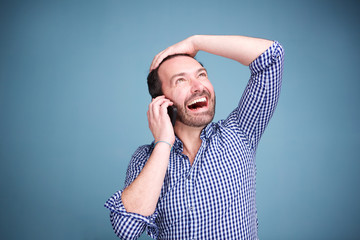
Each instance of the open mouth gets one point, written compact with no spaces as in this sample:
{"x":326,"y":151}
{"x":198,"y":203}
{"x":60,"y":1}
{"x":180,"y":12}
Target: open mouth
{"x":198,"y":103}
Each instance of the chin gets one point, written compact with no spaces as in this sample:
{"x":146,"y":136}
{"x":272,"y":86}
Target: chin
{"x":196,"y":117}
{"x":198,"y":120}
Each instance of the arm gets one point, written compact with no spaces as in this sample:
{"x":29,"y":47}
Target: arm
{"x":142,"y":195}
{"x":265,"y":59}
{"x":133,"y":209}
{"x":239,"y":48}
{"x":261,"y":95}
{"x":129,"y":225}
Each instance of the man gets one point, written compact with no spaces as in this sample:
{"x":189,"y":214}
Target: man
{"x":197,"y":179}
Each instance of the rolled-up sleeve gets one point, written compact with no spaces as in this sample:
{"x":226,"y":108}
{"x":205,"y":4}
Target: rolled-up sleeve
{"x":129,"y":225}
{"x":260,"y":96}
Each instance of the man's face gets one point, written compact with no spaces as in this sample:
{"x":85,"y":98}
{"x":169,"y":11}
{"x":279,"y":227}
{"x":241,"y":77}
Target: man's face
{"x":186,"y":84}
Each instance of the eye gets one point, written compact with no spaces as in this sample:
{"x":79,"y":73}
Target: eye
{"x":203,"y":74}
{"x":179,"y":80}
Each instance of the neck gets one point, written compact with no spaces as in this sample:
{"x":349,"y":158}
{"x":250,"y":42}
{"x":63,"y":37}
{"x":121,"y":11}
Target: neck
{"x":190,"y":137}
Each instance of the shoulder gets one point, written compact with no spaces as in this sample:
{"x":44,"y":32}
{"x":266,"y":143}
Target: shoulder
{"x":137,"y":163}
{"x":143,"y":150}
{"x":141,"y":155}
{"x":274,"y":55}
{"x":229,"y":131}
{"x":223,"y":128}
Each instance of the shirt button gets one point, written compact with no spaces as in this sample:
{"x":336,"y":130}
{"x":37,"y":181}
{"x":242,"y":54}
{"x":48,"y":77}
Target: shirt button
{"x":191,"y":208}
{"x":189,"y":177}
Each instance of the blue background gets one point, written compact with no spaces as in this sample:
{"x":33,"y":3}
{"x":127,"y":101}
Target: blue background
{"x":73,"y":102}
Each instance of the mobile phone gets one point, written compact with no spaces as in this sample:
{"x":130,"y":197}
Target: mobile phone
{"x":172,"y":111}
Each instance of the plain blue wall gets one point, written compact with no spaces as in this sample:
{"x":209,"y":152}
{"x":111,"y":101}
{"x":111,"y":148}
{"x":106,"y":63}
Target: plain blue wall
{"x":73,"y":101}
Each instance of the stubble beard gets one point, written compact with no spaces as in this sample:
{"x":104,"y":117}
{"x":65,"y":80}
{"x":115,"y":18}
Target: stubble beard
{"x":197,"y":119}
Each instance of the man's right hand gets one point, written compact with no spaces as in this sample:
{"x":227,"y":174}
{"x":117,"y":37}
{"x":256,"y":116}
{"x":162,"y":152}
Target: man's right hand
{"x":159,"y":120}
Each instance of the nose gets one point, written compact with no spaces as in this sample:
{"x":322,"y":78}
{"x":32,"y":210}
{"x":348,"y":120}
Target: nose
{"x":196,"y":86}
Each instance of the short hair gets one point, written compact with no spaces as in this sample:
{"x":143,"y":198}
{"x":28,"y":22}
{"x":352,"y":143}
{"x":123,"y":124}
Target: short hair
{"x":153,"y":79}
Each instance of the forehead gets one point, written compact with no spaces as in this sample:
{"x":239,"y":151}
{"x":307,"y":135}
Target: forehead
{"x":176,"y":65}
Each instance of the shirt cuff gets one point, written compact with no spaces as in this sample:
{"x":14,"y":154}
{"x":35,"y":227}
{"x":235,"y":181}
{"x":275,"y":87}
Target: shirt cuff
{"x":115,"y":205}
{"x":273,"y":54}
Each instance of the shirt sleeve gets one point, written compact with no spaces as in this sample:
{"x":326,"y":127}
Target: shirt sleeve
{"x":260,"y":96}
{"x":128,"y":225}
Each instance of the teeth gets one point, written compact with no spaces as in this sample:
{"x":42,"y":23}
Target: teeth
{"x":203,"y":99}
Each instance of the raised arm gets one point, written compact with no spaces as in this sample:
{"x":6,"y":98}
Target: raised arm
{"x":239,"y":48}
{"x":260,"y":96}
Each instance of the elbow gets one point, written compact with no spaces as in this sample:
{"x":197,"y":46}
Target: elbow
{"x":121,"y":226}
{"x":140,"y":209}
{"x":136,"y":205}
{"x":279,"y":52}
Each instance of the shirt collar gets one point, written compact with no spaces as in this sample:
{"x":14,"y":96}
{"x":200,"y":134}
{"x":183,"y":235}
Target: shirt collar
{"x":208,"y":131}
{"x":205,"y":134}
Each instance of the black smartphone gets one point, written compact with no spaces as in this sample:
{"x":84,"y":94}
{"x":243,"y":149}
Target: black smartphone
{"x":172,"y":111}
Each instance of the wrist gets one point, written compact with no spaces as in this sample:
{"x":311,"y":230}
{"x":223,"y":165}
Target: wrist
{"x":164,"y":143}
{"x":165,"y":139}
{"x":195,"y":42}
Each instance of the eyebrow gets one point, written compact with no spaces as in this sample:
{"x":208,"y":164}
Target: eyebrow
{"x":184,"y":73}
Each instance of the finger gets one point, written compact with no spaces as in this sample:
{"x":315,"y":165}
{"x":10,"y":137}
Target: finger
{"x":160,"y":108}
{"x":156,"y":104}
{"x":155,"y":61}
{"x":164,"y":106}
{"x":157,"y":99}
{"x":148,"y":116}
{"x":160,"y":57}
{"x":163,"y":103}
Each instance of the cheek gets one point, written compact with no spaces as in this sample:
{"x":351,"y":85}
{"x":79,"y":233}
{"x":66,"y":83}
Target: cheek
{"x":175,"y":97}
{"x":179,"y":100}
{"x":179,"y":94}
{"x":210,"y":88}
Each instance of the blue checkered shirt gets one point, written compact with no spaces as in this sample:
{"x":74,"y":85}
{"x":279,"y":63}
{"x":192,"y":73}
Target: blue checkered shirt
{"x":215,"y":197}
